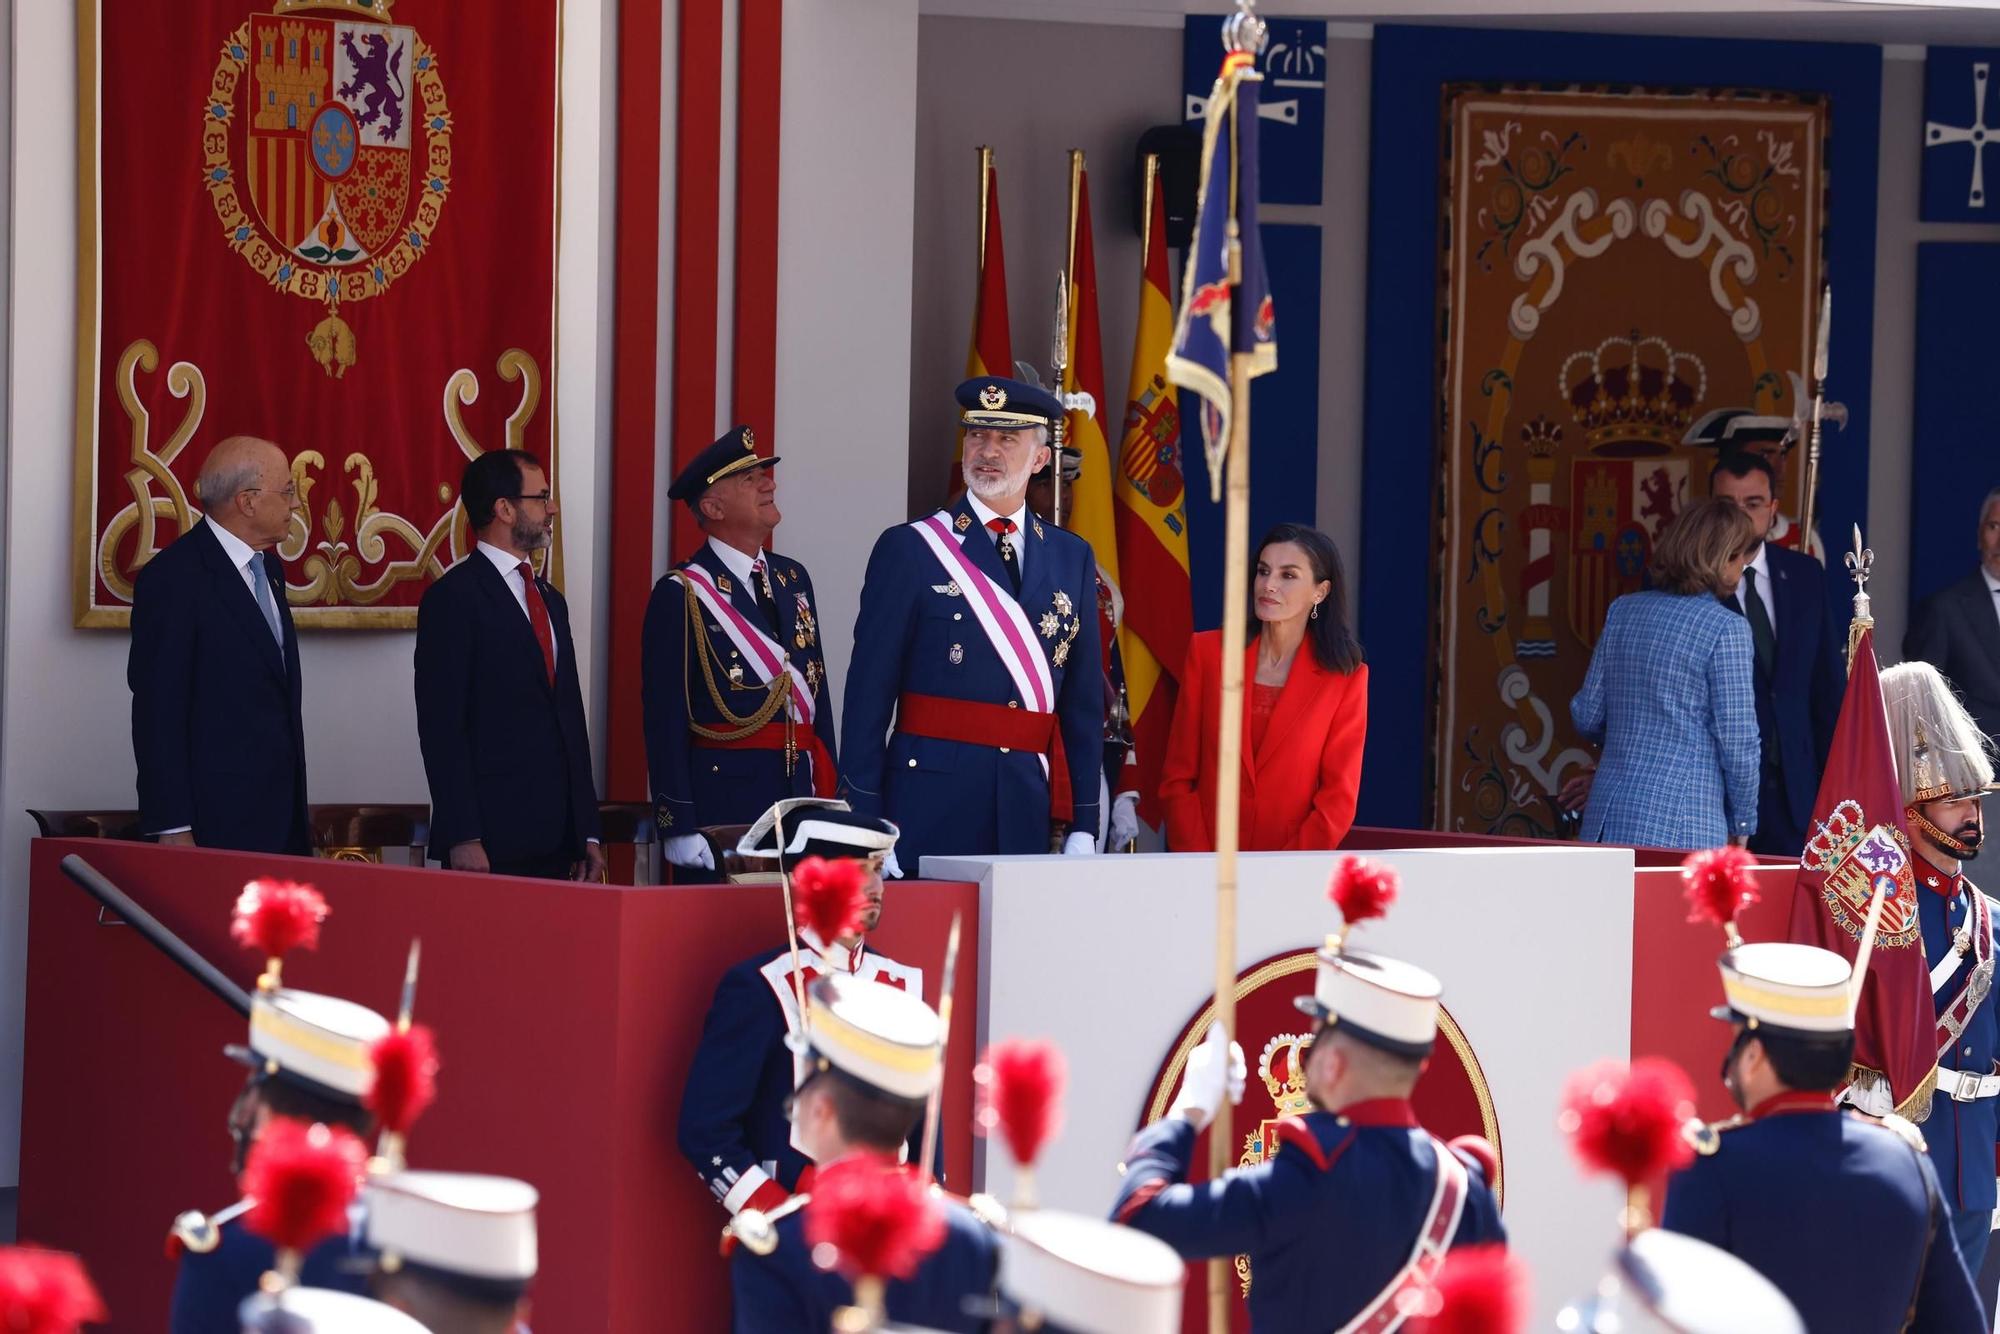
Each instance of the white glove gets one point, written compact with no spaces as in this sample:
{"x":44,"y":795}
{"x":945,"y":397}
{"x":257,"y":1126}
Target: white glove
{"x":891,"y":868}
{"x":1124,"y":819}
{"x":1208,"y":1077}
{"x":1079,"y":844}
{"x":689,"y":850}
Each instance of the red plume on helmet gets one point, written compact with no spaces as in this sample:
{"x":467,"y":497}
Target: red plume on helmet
{"x":302,"y":1178}
{"x":406,"y":1066}
{"x":1021,"y":1085}
{"x":1629,"y":1121}
{"x":45,"y":1292}
{"x":870,"y":1218}
{"x":1720,"y":883}
{"x":1478,"y":1290}
{"x":1362,"y":890}
{"x":275,"y":917}
{"x":830,"y":897}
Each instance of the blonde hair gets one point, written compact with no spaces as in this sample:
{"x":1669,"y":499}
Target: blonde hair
{"x":1698,"y":544}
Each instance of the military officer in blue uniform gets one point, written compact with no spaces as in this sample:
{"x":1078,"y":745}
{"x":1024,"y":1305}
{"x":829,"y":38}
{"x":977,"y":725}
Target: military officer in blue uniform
{"x":733,"y":1127}
{"x":1943,"y":762}
{"x":1360,"y":1203}
{"x":975,"y":681}
{"x":873,"y":1055}
{"x":737,"y":707}
{"x":308,"y":1059}
{"x":1794,"y":1179}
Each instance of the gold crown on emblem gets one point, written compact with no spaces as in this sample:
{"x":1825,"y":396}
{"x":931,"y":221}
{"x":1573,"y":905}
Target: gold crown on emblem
{"x":1926,"y":775}
{"x":1840,"y":833}
{"x":364,"y":9}
{"x":1633,"y":395}
{"x":1282,"y":1067}
{"x":993,"y":398}
{"x":749,"y":441}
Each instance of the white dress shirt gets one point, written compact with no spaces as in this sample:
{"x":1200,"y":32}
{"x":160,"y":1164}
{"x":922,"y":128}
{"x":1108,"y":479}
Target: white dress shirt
{"x":509,"y":566}
{"x":1763,"y":569}
{"x":737,"y":562}
{"x":1019,"y":517}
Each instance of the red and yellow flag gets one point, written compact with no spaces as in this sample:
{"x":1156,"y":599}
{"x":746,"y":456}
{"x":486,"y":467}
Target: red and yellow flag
{"x":1151,"y":517}
{"x":1086,"y":506}
{"x":991,"y":351}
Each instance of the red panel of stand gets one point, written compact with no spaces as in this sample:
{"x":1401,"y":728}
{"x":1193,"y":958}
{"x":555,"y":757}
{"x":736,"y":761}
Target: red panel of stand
{"x":566,"y":1016}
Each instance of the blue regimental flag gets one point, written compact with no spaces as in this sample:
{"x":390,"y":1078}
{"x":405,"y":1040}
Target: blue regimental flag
{"x":1218,"y":319}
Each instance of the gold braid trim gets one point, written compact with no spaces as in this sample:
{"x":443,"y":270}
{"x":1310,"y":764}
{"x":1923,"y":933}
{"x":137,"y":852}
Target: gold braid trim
{"x":1916,"y":1107}
{"x":740,"y":725}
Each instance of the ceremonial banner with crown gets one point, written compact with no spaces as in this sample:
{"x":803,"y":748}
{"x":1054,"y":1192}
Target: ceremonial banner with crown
{"x":324,"y":223}
{"x":1451,"y":1099}
{"x":1625,"y":271}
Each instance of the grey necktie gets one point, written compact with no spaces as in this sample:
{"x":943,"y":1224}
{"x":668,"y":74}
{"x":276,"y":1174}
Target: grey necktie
{"x":267,"y":604}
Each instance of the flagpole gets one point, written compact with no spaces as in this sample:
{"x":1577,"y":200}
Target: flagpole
{"x":1824,"y":336}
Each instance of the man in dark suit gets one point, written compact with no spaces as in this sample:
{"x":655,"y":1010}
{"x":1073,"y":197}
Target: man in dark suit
{"x":1799,"y":650}
{"x":1957,"y":630}
{"x":214,"y":667}
{"x":499,"y":706}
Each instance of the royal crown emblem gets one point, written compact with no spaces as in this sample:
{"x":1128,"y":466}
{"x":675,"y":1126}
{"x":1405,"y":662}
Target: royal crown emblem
{"x":993,"y":398}
{"x":1855,"y":859}
{"x":326,"y":145}
{"x":1282,"y":1067}
{"x":1633,"y":396}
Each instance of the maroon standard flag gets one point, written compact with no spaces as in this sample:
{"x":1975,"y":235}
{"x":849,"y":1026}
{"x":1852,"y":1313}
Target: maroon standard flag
{"x":1857,"y":844}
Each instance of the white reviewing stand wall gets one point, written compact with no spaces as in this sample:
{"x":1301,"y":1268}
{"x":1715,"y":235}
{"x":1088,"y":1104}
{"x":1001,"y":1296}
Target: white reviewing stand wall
{"x":1111,"y":955}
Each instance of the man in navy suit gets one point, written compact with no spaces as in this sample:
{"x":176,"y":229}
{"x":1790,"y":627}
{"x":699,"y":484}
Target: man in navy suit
{"x":976,"y":679}
{"x":1957,"y":630}
{"x":738,"y":713}
{"x":1799,"y":653}
{"x":214,"y":667}
{"x":499,"y":707}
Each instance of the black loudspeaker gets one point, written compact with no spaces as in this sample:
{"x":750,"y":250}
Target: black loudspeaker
{"x":1179,"y":150}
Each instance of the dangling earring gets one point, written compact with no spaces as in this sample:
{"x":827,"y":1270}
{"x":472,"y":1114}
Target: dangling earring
{"x":1315,"y":611}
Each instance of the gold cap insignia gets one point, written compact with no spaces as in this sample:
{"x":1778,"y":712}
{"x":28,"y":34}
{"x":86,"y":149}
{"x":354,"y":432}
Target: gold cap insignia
{"x":993,"y":398}
{"x":749,"y":440}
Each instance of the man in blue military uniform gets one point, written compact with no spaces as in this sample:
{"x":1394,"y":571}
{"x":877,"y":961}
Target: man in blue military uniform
{"x":308,"y":1059}
{"x":1942,"y":761}
{"x":975,"y":700}
{"x":1359,"y":1205}
{"x":733,"y":1126}
{"x":736,"y":699}
{"x":873,"y":1055}
{"x":1794,"y":1179}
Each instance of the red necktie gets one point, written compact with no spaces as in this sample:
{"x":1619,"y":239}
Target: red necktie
{"x":538,"y":616}
{"x":1008,"y":558}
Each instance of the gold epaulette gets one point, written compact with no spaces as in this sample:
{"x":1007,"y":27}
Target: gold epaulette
{"x":1901,"y":1127}
{"x":757,"y":1231}
{"x":1705,"y":1137}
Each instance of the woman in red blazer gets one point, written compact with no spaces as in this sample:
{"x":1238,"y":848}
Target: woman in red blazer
{"x":1305,"y":709}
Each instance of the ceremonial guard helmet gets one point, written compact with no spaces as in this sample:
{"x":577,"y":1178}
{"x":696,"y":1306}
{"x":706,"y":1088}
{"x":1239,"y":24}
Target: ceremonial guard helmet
{"x":1383,"y":1002}
{"x":321,"y":1311}
{"x":1673,"y":1284}
{"x":873,"y":1034}
{"x":471,"y":1232}
{"x":1941,"y":755}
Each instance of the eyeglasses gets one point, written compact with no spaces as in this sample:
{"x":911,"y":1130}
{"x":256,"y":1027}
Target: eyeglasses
{"x":290,"y":491}
{"x":543,"y":496}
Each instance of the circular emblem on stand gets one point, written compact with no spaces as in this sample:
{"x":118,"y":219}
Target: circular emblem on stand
{"x":326,"y":144}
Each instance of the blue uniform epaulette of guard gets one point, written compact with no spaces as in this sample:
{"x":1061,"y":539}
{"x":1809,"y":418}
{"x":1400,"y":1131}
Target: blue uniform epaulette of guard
{"x":718,"y":751}
{"x":210,"y":1286}
{"x":777,"y":1289}
{"x":942,"y":726}
{"x":1363,"y":1182}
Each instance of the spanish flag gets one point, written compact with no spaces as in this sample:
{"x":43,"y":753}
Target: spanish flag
{"x":991,"y":352}
{"x":1151,"y":517}
{"x":1087,"y":507}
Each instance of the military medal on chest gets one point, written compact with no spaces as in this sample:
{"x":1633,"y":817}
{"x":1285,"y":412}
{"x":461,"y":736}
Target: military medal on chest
{"x":1062,"y":621}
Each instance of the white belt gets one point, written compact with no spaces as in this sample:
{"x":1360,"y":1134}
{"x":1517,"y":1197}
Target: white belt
{"x":1964,"y":1087}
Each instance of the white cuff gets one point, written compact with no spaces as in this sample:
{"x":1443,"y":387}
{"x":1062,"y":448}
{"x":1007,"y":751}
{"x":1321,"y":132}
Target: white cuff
{"x":746,"y":1186}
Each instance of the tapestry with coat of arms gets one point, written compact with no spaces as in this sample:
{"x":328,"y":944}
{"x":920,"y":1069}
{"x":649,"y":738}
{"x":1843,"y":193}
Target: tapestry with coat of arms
{"x":331,"y":224}
{"x":1633,"y":284}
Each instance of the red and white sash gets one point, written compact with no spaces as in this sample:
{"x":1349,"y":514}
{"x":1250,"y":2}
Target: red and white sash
{"x":1007,"y":627}
{"x":763,"y":653}
{"x":1978,"y":980}
{"x":1388,"y":1311}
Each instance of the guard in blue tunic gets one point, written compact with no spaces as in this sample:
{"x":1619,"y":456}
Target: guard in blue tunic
{"x":1943,"y":762}
{"x":1794,"y":1180}
{"x":733,"y":1127}
{"x":975,"y":699}
{"x":308,"y":1059}
{"x":872,"y":1057}
{"x":737,"y":706}
{"x":1360,"y":1203}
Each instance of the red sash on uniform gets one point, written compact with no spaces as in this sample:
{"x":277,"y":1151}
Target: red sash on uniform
{"x":945,"y":719}
{"x":1388,"y":1311}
